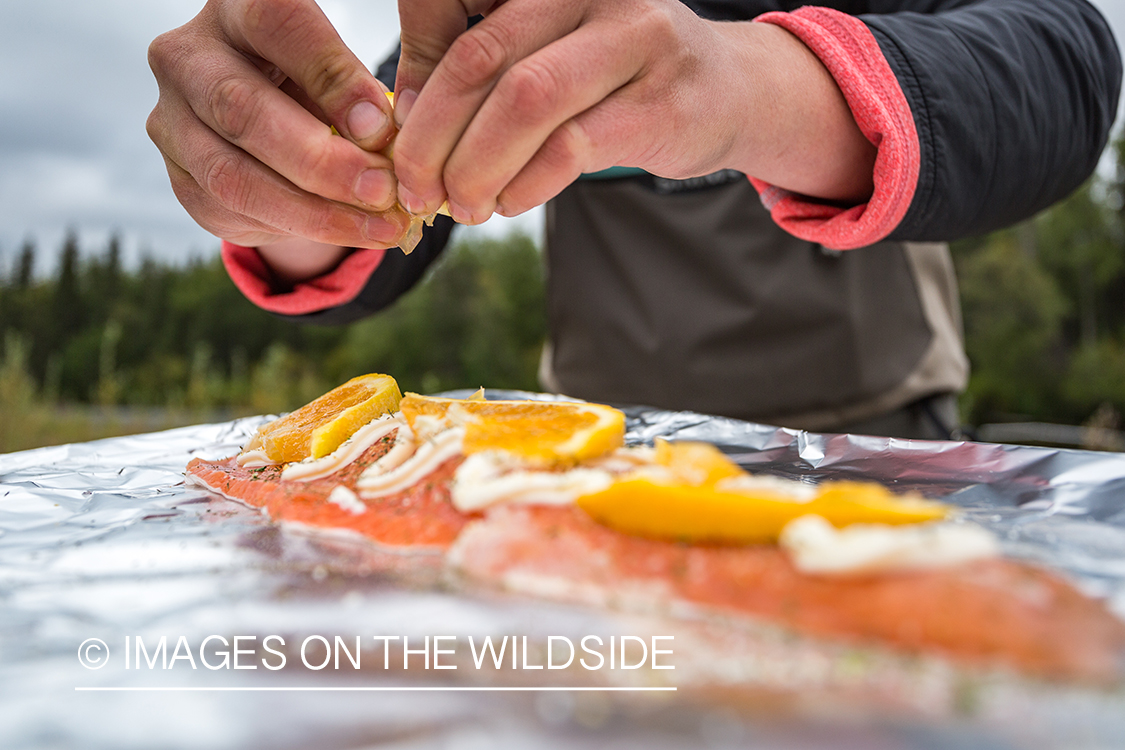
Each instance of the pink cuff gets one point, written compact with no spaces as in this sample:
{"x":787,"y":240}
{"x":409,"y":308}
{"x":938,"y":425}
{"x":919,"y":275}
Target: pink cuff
{"x":848,"y":49}
{"x":253,"y":278}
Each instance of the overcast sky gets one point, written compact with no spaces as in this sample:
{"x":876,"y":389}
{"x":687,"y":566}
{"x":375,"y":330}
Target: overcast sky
{"x":75,"y":90}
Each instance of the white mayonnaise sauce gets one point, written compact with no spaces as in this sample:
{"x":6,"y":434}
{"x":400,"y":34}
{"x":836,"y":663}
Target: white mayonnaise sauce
{"x":427,"y":426}
{"x":492,"y":477}
{"x":349,"y":450}
{"x":405,"y":446}
{"x":347,"y":500}
{"x":254,"y":459}
{"x":429,"y":455}
{"x":623,"y":460}
{"x":816,"y":546}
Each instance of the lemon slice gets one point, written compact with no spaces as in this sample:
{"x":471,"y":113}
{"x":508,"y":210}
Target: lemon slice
{"x":547,"y":431}
{"x":321,"y":426}
{"x":650,"y":508}
{"x":698,"y":464}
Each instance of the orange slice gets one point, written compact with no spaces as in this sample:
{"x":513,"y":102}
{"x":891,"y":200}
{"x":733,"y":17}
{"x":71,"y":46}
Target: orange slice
{"x":321,"y":426}
{"x":644,"y":507}
{"x":547,"y":431}
{"x":698,"y":464}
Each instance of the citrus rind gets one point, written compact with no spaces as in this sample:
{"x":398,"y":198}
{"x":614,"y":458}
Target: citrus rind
{"x":322,"y":425}
{"x":643,"y":507}
{"x":547,"y":431}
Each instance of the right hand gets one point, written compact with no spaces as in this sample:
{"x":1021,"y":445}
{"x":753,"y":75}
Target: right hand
{"x":503,"y":116}
{"x":247,"y":91}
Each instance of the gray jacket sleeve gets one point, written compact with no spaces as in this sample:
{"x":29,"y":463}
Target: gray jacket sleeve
{"x":1013,"y":101}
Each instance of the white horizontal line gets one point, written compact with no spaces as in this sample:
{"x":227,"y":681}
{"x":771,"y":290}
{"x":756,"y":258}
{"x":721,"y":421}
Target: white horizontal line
{"x":465,"y":689}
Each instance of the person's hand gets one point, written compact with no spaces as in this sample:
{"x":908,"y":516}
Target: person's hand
{"x":248,"y":90}
{"x":503,"y":116}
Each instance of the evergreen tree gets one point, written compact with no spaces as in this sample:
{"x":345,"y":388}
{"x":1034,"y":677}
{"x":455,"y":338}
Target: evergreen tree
{"x":69,"y":331}
{"x":102,"y":286}
{"x":66,"y":306}
{"x":25,"y":266}
{"x":1081,"y":250}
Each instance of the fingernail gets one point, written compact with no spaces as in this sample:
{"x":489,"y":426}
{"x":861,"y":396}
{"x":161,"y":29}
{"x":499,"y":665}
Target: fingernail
{"x":404,"y":102}
{"x":459,"y":214}
{"x":376,"y":188}
{"x":365,"y":120}
{"x":381,"y":229}
{"x":410,"y":201}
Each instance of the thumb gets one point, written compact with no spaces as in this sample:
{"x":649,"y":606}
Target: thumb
{"x":298,"y":38}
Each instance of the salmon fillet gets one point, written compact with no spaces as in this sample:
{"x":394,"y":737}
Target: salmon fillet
{"x":988,"y":613}
{"x":420,"y":517}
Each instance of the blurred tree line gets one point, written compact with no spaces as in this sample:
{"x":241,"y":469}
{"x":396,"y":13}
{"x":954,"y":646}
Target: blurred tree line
{"x":185,"y":338}
{"x":1044,"y":309}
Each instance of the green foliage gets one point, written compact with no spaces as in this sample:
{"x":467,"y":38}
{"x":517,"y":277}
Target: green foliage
{"x":1013,"y":312}
{"x":1096,"y":376}
{"x":1044,"y":310}
{"x":479,"y":319}
{"x":27,"y":420}
{"x":19,"y":407}
{"x":1079,"y":244}
{"x":184,"y":338}
{"x":283,"y":379}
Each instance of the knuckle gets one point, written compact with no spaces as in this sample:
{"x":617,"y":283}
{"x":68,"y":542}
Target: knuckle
{"x":330,"y":77}
{"x":476,"y":58}
{"x":154,"y":126}
{"x":235,"y":103}
{"x":269,"y":17}
{"x":410,"y":170}
{"x":290,"y":23}
{"x":167,"y":54}
{"x":656,"y":22}
{"x":227,"y":179}
{"x":159,"y":51}
{"x":566,"y":148}
{"x":323,"y":222}
{"x":421,"y":51}
{"x":200,"y":206}
{"x":532,"y":91}
{"x":209,"y":213}
{"x":314,"y":169}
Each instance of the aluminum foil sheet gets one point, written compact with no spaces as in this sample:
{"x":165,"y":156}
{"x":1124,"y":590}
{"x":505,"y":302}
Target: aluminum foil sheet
{"x":103,"y":541}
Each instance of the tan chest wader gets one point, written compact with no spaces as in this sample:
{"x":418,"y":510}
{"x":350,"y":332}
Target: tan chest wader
{"x":686,"y":295}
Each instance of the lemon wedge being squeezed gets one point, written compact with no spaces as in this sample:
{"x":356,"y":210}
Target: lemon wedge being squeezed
{"x":413,"y":234}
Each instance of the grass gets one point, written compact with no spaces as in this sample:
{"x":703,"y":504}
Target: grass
{"x":37,"y":425}
{"x":27,"y":420}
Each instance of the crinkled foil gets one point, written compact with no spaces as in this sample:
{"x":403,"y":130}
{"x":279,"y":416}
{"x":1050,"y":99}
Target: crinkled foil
{"x":103,"y":540}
